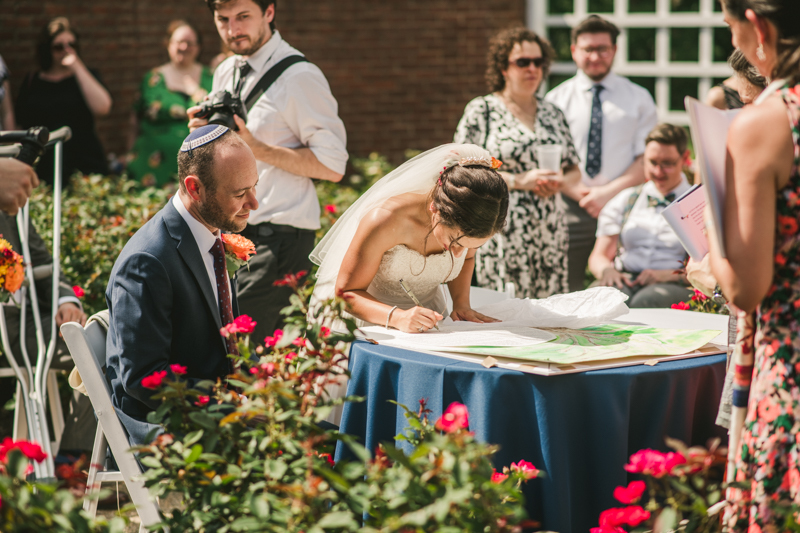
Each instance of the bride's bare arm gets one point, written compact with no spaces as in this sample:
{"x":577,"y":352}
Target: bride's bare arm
{"x":379,"y":231}
{"x":459,"y":291}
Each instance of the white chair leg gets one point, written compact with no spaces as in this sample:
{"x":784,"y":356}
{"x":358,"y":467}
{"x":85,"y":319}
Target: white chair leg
{"x":97,"y":463}
{"x":20,"y":422}
{"x":56,"y":410}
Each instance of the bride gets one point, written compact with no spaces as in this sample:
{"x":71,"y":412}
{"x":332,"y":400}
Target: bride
{"x":420,"y":223}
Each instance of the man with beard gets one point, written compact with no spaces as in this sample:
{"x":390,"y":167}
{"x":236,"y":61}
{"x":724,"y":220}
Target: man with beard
{"x":609,"y":117}
{"x":169,"y":292}
{"x":296,"y":135}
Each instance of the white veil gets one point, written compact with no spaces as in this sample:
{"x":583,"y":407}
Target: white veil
{"x":417,"y":175}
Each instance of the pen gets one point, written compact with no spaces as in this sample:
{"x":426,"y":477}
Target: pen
{"x":413,"y":298}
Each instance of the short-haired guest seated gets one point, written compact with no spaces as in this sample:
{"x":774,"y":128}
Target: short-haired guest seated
{"x":636,"y":250}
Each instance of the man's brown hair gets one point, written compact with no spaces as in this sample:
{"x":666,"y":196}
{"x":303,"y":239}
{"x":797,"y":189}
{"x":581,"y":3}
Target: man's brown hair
{"x":262,"y":4}
{"x":670,"y":135}
{"x":595,"y":24}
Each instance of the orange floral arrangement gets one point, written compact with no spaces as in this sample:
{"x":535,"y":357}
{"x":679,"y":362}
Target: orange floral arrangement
{"x":12,"y":271}
{"x":238,"y":250}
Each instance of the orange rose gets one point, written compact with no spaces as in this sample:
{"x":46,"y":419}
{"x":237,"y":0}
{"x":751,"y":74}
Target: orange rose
{"x":15,"y":274}
{"x":239,"y":246}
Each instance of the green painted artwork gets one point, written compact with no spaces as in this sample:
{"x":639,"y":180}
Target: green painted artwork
{"x":599,"y":343}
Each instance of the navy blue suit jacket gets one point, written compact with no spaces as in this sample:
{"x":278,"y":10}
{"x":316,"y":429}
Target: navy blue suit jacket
{"x":163,"y":312}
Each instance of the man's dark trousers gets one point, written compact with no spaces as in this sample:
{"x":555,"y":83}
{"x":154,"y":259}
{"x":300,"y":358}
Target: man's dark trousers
{"x":280,"y":250}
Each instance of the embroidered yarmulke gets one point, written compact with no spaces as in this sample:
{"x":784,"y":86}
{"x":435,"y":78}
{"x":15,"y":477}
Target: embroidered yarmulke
{"x":202,"y":135}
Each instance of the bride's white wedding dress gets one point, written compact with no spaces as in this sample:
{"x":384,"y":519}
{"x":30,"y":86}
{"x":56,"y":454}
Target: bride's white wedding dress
{"x":423,"y":275}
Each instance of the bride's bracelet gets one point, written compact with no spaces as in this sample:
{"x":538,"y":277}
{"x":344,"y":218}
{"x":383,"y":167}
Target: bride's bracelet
{"x":389,"y":315}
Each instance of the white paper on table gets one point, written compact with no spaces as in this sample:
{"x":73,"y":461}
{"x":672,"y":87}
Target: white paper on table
{"x":573,"y":310}
{"x":709,"y":128}
{"x":460,"y":334}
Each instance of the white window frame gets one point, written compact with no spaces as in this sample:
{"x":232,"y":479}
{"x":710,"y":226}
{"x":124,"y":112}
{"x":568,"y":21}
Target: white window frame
{"x":662,"y":69}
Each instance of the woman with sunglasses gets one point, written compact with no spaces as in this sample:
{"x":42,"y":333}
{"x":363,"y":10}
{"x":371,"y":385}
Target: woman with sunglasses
{"x":159,"y":122}
{"x":510,"y":122}
{"x":64,"y":92}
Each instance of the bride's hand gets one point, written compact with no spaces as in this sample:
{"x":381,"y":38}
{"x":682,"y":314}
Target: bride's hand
{"x":471,"y":315}
{"x":416,"y":319}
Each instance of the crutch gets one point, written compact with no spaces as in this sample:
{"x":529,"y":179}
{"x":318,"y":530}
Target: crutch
{"x":34,"y":390}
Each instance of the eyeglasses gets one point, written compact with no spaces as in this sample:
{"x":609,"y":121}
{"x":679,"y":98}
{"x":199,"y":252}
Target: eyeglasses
{"x":601,"y":50}
{"x":665,"y":165}
{"x":60,"y":47}
{"x":524,"y":62}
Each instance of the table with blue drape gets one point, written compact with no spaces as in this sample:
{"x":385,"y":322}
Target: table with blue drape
{"x":579,"y":428}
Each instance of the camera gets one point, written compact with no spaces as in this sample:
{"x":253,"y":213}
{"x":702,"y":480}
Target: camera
{"x":32,"y":143}
{"x":220,"y":108}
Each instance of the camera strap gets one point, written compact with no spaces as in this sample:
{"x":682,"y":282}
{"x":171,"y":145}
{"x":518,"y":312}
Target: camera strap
{"x":269,"y":78}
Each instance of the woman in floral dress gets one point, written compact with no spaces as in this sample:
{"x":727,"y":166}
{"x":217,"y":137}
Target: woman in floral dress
{"x":159,"y":119}
{"x":510,"y":122}
{"x":761,"y":270}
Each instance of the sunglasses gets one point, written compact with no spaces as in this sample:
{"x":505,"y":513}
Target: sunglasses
{"x":60,"y":47}
{"x":524,"y":62}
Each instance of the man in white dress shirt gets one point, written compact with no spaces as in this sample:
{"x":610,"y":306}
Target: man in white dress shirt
{"x":636,"y":250}
{"x":609,"y":117}
{"x":295,"y":134}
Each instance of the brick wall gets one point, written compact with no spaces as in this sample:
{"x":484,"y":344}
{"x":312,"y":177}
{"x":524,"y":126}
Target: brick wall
{"x":401,"y":71}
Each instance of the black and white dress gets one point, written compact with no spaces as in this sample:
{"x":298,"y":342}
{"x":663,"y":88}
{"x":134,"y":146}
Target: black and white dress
{"x":531,"y":252}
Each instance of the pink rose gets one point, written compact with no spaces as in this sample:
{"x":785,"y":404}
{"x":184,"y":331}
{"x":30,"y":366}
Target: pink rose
{"x":177,"y":369}
{"x":454,"y":418}
{"x":683,"y":306}
{"x":202,"y":400}
{"x":526,"y":468}
{"x":275,"y":339}
{"x":631,"y":493}
{"x":654,"y":463}
{"x":244,"y":324}
{"x":299,"y":341}
{"x":290,"y":356}
{"x":330,"y":208}
{"x":607,"y":529}
{"x":699,"y":296}
{"x":154,"y":380}
{"x":324,"y":332}
{"x":290,"y":280}
{"x":79,"y":292}
{"x":635,"y":515}
{"x":498,"y":477}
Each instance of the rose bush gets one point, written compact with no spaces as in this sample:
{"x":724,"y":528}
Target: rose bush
{"x":253,"y":453}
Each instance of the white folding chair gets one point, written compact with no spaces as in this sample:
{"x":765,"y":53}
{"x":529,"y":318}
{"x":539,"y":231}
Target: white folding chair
{"x":88,"y":349}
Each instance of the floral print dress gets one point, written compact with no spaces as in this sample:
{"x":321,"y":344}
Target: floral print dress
{"x":163,"y":125}
{"x":769,"y":455}
{"x":531,"y":252}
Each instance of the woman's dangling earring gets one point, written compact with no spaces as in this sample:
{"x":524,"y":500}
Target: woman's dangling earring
{"x":760,"y":52}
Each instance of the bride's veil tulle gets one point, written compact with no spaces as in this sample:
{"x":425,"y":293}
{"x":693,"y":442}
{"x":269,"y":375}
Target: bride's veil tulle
{"x":417,"y":175}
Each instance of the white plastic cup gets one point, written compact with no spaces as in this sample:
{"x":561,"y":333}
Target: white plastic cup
{"x":549,"y":156}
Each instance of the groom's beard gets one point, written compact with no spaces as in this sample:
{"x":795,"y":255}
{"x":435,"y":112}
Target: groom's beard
{"x":215,"y":217}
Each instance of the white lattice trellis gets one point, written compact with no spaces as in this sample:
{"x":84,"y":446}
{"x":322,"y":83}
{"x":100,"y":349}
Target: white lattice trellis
{"x":662,"y":69}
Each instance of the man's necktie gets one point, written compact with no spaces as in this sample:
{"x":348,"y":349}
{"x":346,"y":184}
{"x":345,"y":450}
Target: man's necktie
{"x":594,"y":154}
{"x":225,"y":305}
{"x":244,"y":68}
{"x":653,"y":201}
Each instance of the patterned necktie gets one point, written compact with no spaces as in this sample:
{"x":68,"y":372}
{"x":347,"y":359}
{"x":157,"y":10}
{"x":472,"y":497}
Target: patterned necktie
{"x":594,"y":154}
{"x":225,"y":306}
{"x":654,"y":201}
{"x":244,"y":69}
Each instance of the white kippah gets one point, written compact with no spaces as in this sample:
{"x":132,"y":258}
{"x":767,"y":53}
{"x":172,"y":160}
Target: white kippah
{"x":202,"y":135}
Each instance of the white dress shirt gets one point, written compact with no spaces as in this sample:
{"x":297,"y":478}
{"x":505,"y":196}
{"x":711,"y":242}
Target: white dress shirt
{"x":647,"y":241}
{"x":297,"y":111}
{"x":629,"y":114}
{"x":205,"y":241}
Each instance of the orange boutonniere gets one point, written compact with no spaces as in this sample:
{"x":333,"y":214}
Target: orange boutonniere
{"x":237,"y":252}
{"x":496,"y":163}
{"x":12,"y":271}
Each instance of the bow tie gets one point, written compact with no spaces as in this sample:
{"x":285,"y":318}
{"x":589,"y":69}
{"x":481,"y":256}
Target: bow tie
{"x":653,"y":201}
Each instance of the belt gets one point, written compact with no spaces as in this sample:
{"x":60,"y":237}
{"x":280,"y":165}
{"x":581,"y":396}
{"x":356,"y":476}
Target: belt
{"x":267,"y":229}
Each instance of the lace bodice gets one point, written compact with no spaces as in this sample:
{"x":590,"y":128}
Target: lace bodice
{"x":404,"y":263}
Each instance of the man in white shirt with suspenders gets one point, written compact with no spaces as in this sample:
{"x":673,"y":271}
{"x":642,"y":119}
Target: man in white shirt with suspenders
{"x":296,"y":135}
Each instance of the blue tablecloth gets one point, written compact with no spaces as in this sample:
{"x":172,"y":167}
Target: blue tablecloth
{"x":579,"y":428}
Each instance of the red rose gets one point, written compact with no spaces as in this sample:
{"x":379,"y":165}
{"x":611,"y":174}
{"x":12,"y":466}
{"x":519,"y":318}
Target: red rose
{"x":202,"y":400}
{"x":154,"y":380}
{"x":31,"y":450}
{"x":330,"y":208}
{"x":324,"y":332}
{"x":244,"y":324}
{"x":498,"y":477}
{"x":291,"y":280}
{"x":454,"y":418}
{"x":78,"y":291}
{"x":654,"y":463}
{"x":631,"y":493}
{"x":683,"y":306}
{"x":177,"y":369}
{"x":328,"y":459}
{"x":290,"y":356}
{"x":526,"y":468}
{"x":272,"y":341}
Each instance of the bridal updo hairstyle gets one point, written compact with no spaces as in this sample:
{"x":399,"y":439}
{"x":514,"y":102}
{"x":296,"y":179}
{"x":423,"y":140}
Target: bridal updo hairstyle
{"x":785,"y":16}
{"x":472,"y":199}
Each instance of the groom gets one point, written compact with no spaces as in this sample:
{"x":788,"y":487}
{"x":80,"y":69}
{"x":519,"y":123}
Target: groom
{"x":169,"y":292}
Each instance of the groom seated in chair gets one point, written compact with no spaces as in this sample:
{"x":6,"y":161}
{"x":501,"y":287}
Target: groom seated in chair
{"x":169,"y":292}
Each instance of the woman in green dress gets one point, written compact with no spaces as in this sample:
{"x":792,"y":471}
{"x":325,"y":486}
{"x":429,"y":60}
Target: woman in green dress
{"x":159,"y":121}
